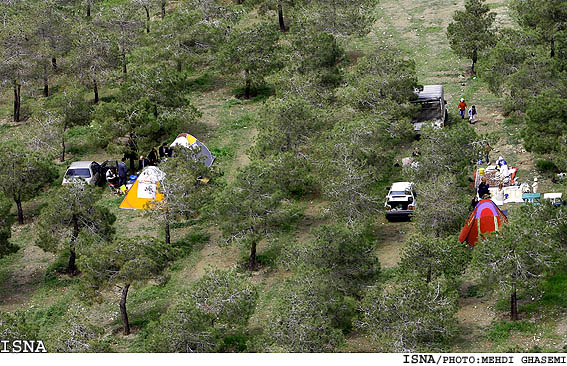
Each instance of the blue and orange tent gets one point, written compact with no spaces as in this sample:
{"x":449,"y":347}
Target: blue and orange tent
{"x":485,"y":218}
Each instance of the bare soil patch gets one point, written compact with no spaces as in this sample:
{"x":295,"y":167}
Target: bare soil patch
{"x":392,"y":239}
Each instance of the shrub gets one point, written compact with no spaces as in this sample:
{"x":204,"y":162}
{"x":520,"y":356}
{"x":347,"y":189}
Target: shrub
{"x":546,"y":166}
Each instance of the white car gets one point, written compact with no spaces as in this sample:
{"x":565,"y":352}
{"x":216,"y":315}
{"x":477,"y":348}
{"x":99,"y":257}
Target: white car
{"x":400,"y":201}
{"x":89,"y":171}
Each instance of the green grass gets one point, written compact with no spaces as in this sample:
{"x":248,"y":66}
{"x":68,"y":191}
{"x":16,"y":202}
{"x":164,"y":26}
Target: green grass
{"x":501,"y":331}
{"x":5,"y":266}
{"x":553,"y":294}
{"x":231,"y":122}
{"x":554,"y":290}
{"x":202,"y":83}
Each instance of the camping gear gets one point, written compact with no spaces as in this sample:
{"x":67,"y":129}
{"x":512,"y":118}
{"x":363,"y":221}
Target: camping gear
{"x":531,"y":198}
{"x":185,"y":140}
{"x":485,"y":218}
{"x":144,"y":190}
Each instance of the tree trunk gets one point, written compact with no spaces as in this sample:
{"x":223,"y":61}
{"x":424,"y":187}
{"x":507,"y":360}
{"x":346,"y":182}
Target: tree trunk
{"x":428,"y":279}
{"x":17,"y":101}
{"x":20,"y":210}
{"x":132,"y":167}
{"x":125,"y":322}
{"x":62,"y":158}
{"x":88,"y":8}
{"x":248,"y":85}
{"x":71,"y":267}
{"x":95,"y":89}
{"x":132,"y":151}
{"x":474,"y":60}
{"x":163,"y":3}
{"x":281,"y":18}
{"x":45,"y":82}
{"x":124,"y":70}
{"x":54,"y":63}
{"x":513,"y":305}
{"x":252,"y":260}
{"x":167,"y":232}
{"x":552,"y":52}
{"x":147,"y":19}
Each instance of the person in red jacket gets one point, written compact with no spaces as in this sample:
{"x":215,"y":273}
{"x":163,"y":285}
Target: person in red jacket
{"x":462,"y":108}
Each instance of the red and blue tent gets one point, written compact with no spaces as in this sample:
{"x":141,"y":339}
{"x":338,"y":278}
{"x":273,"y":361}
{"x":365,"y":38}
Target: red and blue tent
{"x":485,"y":218}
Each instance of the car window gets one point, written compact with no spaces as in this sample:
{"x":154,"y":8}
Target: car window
{"x":78,"y":172}
{"x":398,"y":193}
{"x":429,"y":111}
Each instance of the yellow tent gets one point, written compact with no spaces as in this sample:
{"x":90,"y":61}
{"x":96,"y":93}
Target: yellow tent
{"x":144,"y":191}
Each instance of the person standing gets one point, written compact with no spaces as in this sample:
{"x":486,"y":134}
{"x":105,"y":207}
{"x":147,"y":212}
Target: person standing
{"x":483,"y":189}
{"x":153,"y":157}
{"x":499,"y":195}
{"x":462,"y":108}
{"x":487,"y":149}
{"x":163,"y":151}
{"x":122,"y":173}
{"x":142,"y":163}
{"x":535,"y":186}
{"x":472,"y":115}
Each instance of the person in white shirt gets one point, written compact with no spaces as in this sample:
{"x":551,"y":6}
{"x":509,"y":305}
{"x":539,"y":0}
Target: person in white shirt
{"x":535,"y":185}
{"x":499,"y":195}
{"x":472,"y":114}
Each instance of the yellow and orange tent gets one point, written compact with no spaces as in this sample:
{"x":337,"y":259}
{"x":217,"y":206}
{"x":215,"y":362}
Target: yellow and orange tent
{"x":144,"y":192}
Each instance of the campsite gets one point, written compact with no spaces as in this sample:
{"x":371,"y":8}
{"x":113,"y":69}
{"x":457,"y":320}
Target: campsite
{"x":225,"y":176}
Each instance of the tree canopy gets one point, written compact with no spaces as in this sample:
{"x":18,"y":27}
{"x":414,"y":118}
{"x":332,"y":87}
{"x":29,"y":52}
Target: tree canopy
{"x":471,"y":31}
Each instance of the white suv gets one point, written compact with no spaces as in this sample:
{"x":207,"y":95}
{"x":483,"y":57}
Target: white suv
{"x":88,"y":170}
{"x":400,"y":201}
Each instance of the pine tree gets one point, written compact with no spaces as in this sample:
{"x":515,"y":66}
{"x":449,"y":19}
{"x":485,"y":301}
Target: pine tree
{"x":471,"y":31}
{"x":71,"y":212}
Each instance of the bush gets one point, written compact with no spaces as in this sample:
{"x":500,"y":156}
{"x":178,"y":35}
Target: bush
{"x":59,"y":266}
{"x":5,"y":224}
{"x":257,"y":93}
{"x":546,"y":167}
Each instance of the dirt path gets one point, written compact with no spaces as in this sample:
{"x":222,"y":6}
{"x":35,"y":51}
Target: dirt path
{"x":392,"y":239}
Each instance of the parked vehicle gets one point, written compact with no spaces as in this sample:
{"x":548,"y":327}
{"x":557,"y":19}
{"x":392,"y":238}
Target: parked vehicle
{"x":89,"y":171}
{"x":556,"y":199}
{"x":400,"y":201}
{"x":433,"y":107}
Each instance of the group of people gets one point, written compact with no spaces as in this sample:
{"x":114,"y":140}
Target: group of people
{"x":484,"y":193}
{"x":119,"y":178}
{"x":155,"y":156}
{"x":472,"y":111}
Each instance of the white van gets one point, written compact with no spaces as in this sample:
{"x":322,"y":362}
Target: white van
{"x":433,"y":107}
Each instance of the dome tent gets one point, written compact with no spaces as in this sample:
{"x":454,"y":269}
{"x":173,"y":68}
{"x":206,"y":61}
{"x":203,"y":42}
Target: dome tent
{"x":485,"y":218}
{"x":188,"y":141}
{"x":144,"y":190}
